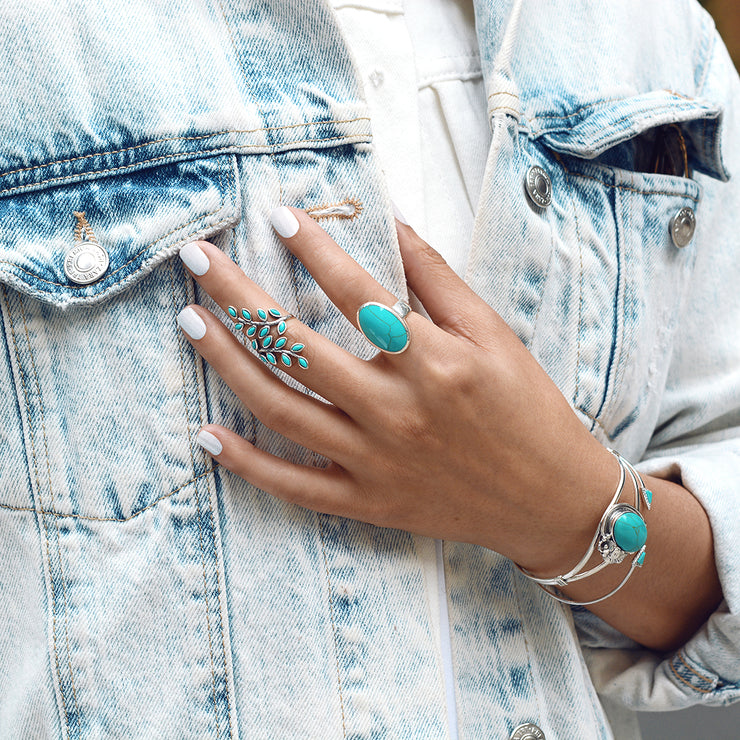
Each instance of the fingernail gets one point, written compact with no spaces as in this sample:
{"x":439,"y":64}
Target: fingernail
{"x":284,"y":222}
{"x":191,"y":323}
{"x":195,"y":259}
{"x":399,"y":216}
{"x":209,"y":442}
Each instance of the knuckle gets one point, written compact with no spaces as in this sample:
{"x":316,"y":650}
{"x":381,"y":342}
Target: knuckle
{"x":276,"y":414}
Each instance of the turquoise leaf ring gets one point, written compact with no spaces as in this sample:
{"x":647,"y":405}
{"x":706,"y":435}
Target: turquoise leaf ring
{"x":265,"y":333}
{"x":385,"y":327}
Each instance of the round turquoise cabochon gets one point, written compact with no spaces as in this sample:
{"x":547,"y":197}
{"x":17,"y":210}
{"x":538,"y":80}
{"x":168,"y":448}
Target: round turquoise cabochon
{"x":383,"y":327}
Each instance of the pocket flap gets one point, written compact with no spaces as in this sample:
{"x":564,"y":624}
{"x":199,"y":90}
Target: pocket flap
{"x":593,"y":129}
{"x":135,"y":220}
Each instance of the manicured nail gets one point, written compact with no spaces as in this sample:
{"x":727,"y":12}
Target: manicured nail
{"x":195,"y":259}
{"x":284,"y":222}
{"x":399,"y":216}
{"x":209,"y":442}
{"x":191,"y":323}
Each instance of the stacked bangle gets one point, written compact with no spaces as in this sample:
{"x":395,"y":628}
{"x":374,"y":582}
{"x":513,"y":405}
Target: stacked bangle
{"x":620,"y":534}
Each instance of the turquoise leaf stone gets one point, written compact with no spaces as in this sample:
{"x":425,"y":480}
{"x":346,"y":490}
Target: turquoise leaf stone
{"x":251,"y":331}
{"x":280,"y":343}
{"x":238,"y":326}
{"x":383,"y":328}
{"x":286,"y":360}
{"x":640,"y":559}
{"x":246,"y":314}
{"x":267,"y":341}
{"x":297,"y":347}
{"x":630,"y":532}
{"x":262,"y":314}
{"x":275,"y":313}
{"x":281,"y":327}
{"x":264,"y":331}
{"x":649,"y":496}
{"x":303,"y":362}
{"x":271,"y":358}
{"x":232,"y":312}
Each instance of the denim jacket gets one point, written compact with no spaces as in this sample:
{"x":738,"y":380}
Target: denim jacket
{"x":146,"y":593}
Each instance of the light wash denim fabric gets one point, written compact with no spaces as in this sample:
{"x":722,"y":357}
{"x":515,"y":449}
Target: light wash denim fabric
{"x":145,"y":593}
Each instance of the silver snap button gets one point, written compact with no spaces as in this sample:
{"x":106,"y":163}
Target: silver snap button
{"x":683,"y":226}
{"x":527,"y":731}
{"x":86,"y":262}
{"x":538,"y":186}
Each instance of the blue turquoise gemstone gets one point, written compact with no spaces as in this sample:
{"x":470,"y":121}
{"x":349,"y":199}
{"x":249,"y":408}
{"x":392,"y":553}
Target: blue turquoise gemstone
{"x":232,"y":312}
{"x":271,"y":358}
{"x":297,"y":347}
{"x":275,"y":313}
{"x":630,"y":532}
{"x":251,"y":331}
{"x":383,"y":328}
{"x":266,"y":342}
{"x":286,"y":360}
{"x":246,"y":314}
{"x":238,"y":326}
{"x":640,"y":559}
{"x":281,"y":327}
{"x":262,"y":314}
{"x":254,"y":344}
{"x":649,"y":496}
{"x":264,"y":331}
{"x":303,"y":362}
{"x":280,"y":343}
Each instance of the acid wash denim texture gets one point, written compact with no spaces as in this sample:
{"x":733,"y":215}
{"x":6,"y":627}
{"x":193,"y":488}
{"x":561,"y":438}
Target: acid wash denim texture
{"x":145,"y":593}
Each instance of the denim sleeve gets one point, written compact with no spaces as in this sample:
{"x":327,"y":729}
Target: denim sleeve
{"x":696,"y":442}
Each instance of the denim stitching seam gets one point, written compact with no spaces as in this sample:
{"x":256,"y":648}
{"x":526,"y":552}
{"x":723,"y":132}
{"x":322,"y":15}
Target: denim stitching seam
{"x":181,"y":155}
{"x":43,"y":518}
{"x":181,"y":138}
{"x":82,"y":517}
{"x":686,"y":681}
{"x":517,"y":596}
{"x":197,"y":504}
{"x":681,"y":656}
{"x":249,"y":93}
{"x":201,"y":379}
{"x":56,"y":522}
{"x":333,"y":622}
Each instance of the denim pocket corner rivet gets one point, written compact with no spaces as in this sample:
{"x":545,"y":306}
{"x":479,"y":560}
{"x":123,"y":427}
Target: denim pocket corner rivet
{"x":85,"y":263}
{"x":683,"y":226}
{"x":527,"y":731}
{"x":538,"y":186}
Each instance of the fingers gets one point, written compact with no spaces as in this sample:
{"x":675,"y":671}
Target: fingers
{"x":345,"y":282}
{"x":278,"y":339}
{"x":322,"y":489}
{"x":306,"y":420}
{"x":449,"y":301}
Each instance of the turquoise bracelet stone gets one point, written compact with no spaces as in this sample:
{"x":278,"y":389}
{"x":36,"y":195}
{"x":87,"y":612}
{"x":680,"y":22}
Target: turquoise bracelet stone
{"x":630,"y":532}
{"x":383,"y":327}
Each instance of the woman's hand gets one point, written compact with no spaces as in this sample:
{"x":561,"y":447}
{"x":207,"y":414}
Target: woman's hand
{"x":461,"y":437}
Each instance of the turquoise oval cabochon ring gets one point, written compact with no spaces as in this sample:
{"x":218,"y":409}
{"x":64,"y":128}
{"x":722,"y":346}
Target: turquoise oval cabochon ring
{"x":383,"y":327}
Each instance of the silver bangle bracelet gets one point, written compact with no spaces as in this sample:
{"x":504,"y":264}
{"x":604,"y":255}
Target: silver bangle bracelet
{"x":621,"y":532}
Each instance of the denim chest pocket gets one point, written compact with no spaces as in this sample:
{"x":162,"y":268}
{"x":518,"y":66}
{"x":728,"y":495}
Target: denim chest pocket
{"x":99,"y":392}
{"x":626,"y":224}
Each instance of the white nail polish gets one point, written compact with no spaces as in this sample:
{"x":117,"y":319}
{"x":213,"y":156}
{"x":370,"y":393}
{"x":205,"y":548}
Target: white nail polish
{"x":191,"y":323}
{"x":284,"y":222}
{"x":195,"y":259}
{"x":399,"y":216}
{"x":209,"y":442}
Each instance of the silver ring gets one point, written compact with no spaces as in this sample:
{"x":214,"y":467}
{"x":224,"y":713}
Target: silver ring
{"x":385,"y":327}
